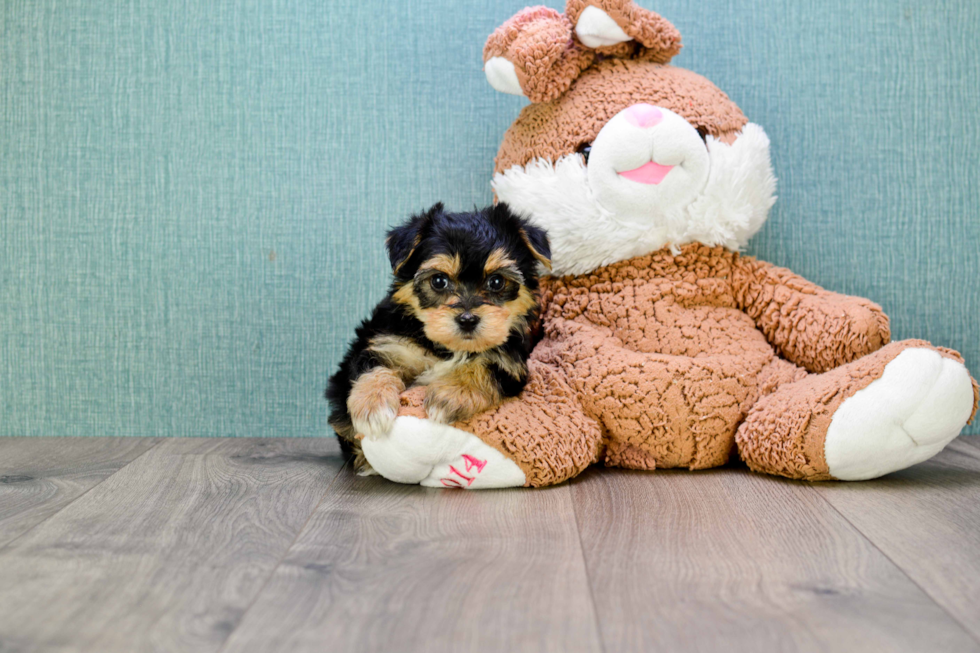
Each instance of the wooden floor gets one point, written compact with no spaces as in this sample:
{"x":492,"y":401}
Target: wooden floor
{"x":237,"y":545}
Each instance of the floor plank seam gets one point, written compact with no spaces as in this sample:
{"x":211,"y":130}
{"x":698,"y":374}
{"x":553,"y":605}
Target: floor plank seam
{"x":588,"y":575}
{"x":5,"y":545}
{"x":272,"y":572}
{"x":896,"y":565}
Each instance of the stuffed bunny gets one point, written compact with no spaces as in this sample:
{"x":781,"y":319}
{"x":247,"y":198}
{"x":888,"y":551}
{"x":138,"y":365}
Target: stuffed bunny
{"x":662,"y":346}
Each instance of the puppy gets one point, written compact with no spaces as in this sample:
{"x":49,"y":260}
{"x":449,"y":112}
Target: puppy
{"x":457,"y":319}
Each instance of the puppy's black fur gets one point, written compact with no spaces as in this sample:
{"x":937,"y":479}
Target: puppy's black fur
{"x":459,"y":318}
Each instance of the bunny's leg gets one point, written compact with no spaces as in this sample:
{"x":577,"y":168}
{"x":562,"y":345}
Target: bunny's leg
{"x":881,"y":413}
{"x":540,"y":438}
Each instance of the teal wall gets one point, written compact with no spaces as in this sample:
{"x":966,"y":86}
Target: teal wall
{"x":193,"y":192}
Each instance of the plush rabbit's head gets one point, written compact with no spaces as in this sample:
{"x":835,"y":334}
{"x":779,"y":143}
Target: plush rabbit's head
{"x":619,"y":153}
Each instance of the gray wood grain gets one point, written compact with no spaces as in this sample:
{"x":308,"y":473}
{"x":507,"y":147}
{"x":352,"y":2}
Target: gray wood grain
{"x":729,"y":560}
{"x":244,"y":545}
{"x":166,"y":554}
{"x":383,"y":567}
{"x":40,"y":476}
{"x":926,"y":519}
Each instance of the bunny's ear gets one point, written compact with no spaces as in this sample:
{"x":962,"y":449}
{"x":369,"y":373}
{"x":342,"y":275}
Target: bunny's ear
{"x":534,"y":54}
{"x":607,"y":24}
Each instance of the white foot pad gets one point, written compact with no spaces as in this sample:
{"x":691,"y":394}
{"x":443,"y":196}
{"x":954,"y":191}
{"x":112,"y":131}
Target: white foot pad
{"x":921,"y":402}
{"x":420,"y":451}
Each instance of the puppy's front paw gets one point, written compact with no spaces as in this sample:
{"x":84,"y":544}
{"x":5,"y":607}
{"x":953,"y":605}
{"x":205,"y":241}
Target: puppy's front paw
{"x":374,"y":401}
{"x":448,"y":403}
{"x":375,"y":422}
{"x":443,"y":406}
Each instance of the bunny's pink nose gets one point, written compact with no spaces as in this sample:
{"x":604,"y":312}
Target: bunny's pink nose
{"x":644,"y":115}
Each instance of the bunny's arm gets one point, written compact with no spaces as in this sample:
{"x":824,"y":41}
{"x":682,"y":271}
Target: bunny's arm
{"x":809,"y":326}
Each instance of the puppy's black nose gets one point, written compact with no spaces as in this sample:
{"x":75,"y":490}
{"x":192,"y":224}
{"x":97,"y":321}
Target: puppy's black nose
{"x":467,"y":322}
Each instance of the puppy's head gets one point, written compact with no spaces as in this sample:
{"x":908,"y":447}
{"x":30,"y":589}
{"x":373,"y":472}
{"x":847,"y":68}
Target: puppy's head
{"x":468,"y":277}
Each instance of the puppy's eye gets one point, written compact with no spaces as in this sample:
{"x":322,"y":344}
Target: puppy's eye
{"x":439,"y":282}
{"x":585,"y":149}
{"x":495,"y":283}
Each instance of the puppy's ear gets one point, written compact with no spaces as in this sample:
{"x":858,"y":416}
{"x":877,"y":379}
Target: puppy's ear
{"x":402,"y":241}
{"x":537,"y":241}
{"x":535,"y":238}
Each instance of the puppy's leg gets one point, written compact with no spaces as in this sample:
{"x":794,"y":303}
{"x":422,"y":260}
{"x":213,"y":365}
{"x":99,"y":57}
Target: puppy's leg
{"x":350,"y":446}
{"x":373,"y":401}
{"x":361,"y":466}
{"x":457,"y":392}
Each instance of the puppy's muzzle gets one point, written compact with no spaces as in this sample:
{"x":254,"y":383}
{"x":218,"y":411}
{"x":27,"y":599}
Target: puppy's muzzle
{"x":467,"y":322}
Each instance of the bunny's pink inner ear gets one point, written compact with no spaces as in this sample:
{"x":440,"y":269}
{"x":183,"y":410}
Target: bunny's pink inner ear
{"x":606,"y":25}
{"x":534,"y":54}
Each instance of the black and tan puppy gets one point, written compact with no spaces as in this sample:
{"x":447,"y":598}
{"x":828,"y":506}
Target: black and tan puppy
{"x":458,"y":319}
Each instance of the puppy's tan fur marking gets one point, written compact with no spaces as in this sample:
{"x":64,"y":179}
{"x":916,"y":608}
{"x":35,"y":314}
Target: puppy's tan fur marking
{"x":494,"y":329}
{"x":345,"y":431}
{"x":459,"y":389}
{"x":514,"y":367}
{"x":444,"y":263}
{"x":405,"y":295}
{"x":501,"y":319}
{"x":498,"y":259}
{"x":403,"y":356}
{"x":521,"y":306}
{"x":440,"y":325}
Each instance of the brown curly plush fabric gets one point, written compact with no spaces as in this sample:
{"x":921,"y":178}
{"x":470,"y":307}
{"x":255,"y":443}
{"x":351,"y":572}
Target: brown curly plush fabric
{"x":656,"y":39}
{"x":538,"y":41}
{"x":551,"y":130}
{"x":784,"y":432}
{"x":674,"y":361}
{"x":575,"y":90}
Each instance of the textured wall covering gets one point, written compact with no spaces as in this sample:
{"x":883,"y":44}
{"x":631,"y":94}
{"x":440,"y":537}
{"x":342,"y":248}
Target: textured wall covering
{"x":193,"y":193}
